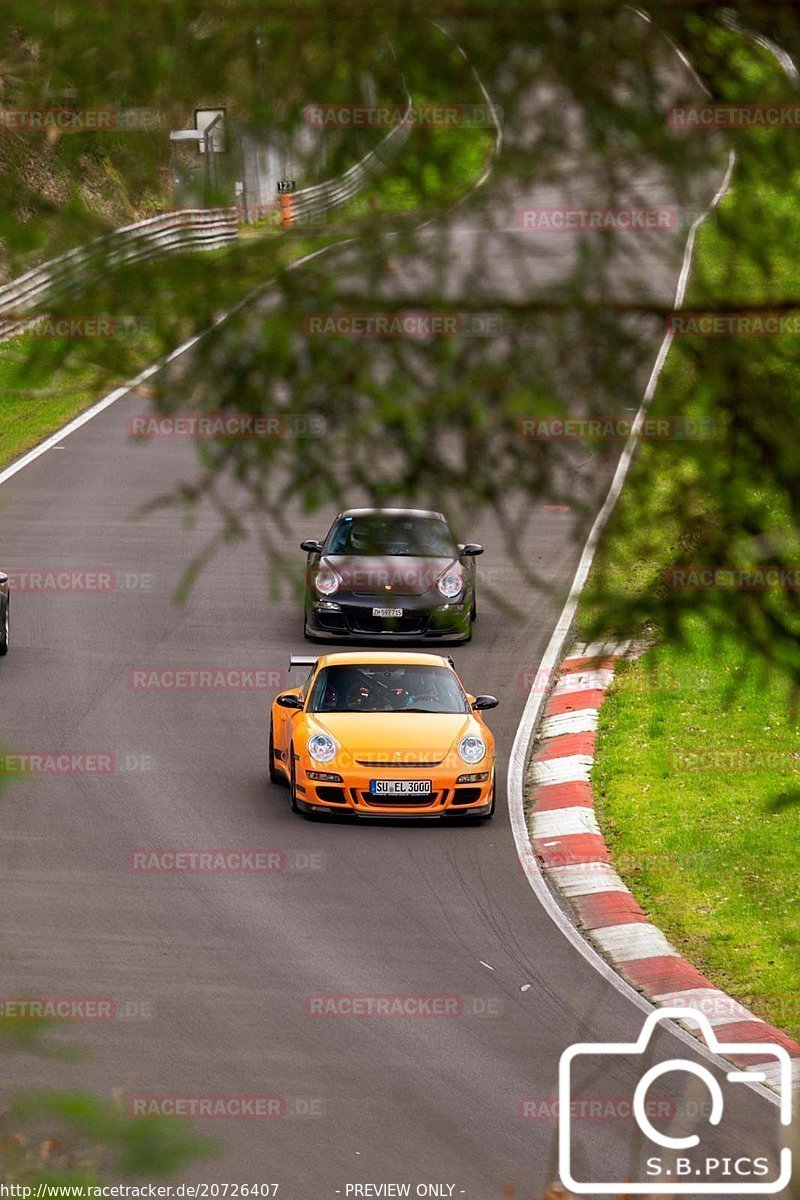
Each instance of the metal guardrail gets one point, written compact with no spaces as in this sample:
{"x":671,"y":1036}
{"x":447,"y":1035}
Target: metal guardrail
{"x":312,"y":202}
{"x":183,"y":229}
{"x":21,"y":300}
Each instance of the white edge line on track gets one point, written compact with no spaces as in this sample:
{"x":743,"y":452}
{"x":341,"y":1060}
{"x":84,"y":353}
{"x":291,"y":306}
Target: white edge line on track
{"x":530,"y":715}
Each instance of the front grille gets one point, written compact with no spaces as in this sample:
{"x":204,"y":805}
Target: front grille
{"x":366,"y":623}
{"x":467,"y":795}
{"x":416,"y":765}
{"x":400,"y":801}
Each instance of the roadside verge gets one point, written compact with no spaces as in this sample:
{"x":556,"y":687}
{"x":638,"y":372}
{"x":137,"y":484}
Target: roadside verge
{"x":575,"y":859}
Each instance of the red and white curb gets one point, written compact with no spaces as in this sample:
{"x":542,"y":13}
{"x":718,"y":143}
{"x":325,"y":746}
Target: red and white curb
{"x":574,"y":857}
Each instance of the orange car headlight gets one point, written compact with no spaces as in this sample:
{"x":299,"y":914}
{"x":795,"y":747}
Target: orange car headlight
{"x":471,"y":749}
{"x":322,"y":747}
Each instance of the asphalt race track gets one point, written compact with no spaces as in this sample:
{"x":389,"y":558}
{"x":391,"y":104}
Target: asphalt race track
{"x":209,"y":971}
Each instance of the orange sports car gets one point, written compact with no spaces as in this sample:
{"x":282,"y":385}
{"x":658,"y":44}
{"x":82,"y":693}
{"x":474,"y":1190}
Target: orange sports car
{"x":383,"y":734}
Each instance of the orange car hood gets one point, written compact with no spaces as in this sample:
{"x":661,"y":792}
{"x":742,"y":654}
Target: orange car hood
{"x":383,"y":735}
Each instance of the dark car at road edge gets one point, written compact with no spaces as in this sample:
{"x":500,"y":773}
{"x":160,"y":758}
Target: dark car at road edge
{"x":390,"y":574}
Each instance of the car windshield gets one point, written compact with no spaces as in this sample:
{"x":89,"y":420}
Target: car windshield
{"x":422,"y":537}
{"x":387,"y":688}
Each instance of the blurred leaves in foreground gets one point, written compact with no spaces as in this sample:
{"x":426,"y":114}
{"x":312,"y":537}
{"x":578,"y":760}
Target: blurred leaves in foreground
{"x":584,"y":89}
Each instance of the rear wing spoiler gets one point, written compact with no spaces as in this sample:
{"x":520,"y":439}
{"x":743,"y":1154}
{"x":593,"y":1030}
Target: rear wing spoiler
{"x":303,"y":660}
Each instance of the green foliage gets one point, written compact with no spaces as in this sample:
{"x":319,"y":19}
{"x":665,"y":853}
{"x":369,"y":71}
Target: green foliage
{"x":71,"y":1137}
{"x":584,"y":88}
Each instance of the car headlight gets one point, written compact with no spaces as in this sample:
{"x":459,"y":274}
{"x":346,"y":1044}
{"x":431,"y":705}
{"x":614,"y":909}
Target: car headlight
{"x":472,"y":749}
{"x":327,"y":581}
{"x":322,"y":748}
{"x":451,"y":583}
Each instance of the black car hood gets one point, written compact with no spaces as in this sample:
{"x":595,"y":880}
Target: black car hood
{"x":387,"y":575}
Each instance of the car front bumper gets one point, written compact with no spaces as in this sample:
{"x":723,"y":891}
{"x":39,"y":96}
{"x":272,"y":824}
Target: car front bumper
{"x":352,"y":796}
{"x":351,"y":619}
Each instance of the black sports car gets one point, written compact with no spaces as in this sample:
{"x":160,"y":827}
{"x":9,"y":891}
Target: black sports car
{"x":390,"y":572}
{"x":4,"y":618}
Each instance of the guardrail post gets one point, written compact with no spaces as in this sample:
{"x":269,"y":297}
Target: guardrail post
{"x":287,"y":209}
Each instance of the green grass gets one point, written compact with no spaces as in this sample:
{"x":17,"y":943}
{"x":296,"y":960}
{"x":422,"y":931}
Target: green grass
{"x":711,"y":855}
{"x":35,"y":404}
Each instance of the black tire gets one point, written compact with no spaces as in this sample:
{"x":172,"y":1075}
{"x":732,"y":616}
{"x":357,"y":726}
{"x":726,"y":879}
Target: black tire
{"x":292,"y":785}
{"x":274,"y":775}
{"x":473,"y":612}
{"x":5,"y":627}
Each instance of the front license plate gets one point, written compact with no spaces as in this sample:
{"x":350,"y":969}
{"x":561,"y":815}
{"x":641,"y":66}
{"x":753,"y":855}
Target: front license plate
{"x":400,"y":787}
{"x":387,"y":612}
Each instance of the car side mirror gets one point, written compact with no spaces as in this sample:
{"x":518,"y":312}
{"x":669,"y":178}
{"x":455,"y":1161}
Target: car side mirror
{"x":290,"y":700}
{"x":472,"y":549}
{"x":482,"y":702}
{"x":311,"y":547}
